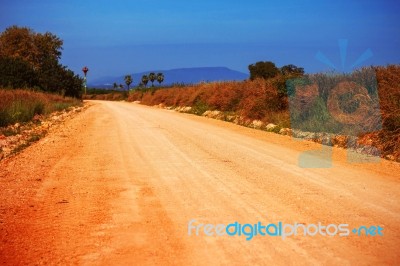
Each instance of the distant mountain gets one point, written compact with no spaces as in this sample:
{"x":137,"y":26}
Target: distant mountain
{"x":182,"y":75}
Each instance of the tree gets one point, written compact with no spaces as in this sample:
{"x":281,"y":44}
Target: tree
{"x":16,"y":42}
{"x":55,"y":77}
{"x":121,"y":86}
{"x":292,"y":70}
{"x":128,"y":80}
{"x":152,"y":78}
{"x":263,"y":70}
{"x":32,"y":59}
{"x":16,"y":73}
{"x":160,"y":78}
{"x":145,"y":80}
{"x":48,"y":47}
{"x":34,"y":48}
{"x":70,"y":83}
{"x":115,"y":85}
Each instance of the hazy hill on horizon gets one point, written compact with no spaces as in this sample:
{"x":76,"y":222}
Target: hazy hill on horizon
{"x":180,"y":75}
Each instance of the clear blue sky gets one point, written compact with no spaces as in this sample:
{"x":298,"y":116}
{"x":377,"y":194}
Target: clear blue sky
{"x":120,"y":37}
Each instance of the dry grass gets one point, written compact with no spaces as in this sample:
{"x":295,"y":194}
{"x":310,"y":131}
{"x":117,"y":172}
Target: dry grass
{"x":389,"y":95}
{"x":256,"y":99}
{"x":23,"y":105}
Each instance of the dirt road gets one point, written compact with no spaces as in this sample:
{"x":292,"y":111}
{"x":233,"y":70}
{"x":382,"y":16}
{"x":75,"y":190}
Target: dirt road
{"x":120,"y":182}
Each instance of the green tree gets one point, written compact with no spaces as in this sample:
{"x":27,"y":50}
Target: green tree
{"x":145,"y":80}
{"x":115,"y":86}
{"x":160,"y":78}
{"x":263,"y":70}
{"x":35,"y":62}
{"x":128,"y":80}
{"x":292,"y":70}
{"x":48,"y":47}
{"x":152,"y":78}
{"x":55,"y":77}
{"x":70,"y":83}
{"x":16,"y":73}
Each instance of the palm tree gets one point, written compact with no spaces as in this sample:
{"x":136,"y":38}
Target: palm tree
{"x":152,"y":78}
{"x":145,"y":80}
{"x":160,"y":78}
{"x":128,"y":80}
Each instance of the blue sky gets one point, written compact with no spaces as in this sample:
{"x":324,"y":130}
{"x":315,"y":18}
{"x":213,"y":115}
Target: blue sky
{"x":119,"y":37}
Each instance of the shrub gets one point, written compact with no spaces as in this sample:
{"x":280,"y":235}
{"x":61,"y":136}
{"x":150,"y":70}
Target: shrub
{"x":199,"y":108}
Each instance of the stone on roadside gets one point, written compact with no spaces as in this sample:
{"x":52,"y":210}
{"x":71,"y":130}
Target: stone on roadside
{"x":271,"y":126}
{"x":212,"y":114}
{"x":206,"y":113}
{"x":257,"y":124}
{"x":186,"y":109}
{"x":230,"y":118}
{"x":390,"y":157}
{"x":285,"y":131}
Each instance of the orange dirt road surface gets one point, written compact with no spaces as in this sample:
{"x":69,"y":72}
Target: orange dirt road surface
{"x":120,"y":182}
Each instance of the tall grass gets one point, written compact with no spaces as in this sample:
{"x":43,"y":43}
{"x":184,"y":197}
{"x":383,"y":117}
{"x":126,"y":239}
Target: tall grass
{"x":23,"y":105}
{"x":389,"y":95}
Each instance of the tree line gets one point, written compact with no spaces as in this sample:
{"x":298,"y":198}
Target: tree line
{"x":31,"y":60}
{"x":152,"y":77}
{"x":268,"y":70}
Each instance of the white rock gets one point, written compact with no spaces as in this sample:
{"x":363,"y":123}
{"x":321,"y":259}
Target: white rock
{"x":206,"y":113}
{"x":390,"y":157}
{"x":285,"y":131}
{"x":186,"y":109}
{"x":270,"y":126}
{"x":257,"y":124}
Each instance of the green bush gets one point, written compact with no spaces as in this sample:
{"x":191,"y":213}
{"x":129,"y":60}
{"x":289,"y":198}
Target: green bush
{"x":199,"y":108}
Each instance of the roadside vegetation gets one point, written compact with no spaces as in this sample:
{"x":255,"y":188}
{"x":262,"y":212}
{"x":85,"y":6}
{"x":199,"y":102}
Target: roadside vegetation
{"x":26,"y":116}
{"x":19,"y":105}
{"x":118,"y":91}
{"x":31,"y":60}
{"x":264,"y":99}
{"x":32,"y":80}
{"x":105,"y":94}
{"x":34,"y":87}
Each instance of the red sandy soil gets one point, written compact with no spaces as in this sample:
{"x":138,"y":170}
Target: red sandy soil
{"x":119,"y":182}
